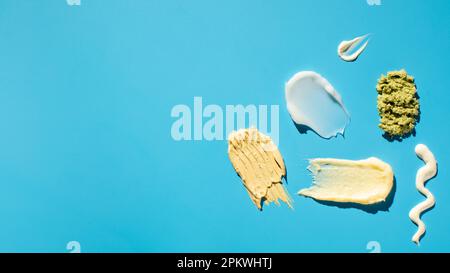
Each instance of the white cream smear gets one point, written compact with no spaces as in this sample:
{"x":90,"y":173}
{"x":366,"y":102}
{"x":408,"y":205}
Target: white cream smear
{"x":424,"y":174}
{"x":313,"y":102}
{"x":345,"y":47}
{"x":364,"y":182}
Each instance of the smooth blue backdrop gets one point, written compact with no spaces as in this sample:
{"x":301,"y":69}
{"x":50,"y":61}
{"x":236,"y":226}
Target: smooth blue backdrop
{"x":85,"y":98}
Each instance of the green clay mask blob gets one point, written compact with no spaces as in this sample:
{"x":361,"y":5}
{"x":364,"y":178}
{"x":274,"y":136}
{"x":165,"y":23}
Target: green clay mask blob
{"x":398,"y":104}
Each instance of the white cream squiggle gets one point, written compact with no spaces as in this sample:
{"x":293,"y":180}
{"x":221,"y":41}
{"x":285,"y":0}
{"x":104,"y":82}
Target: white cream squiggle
{"x":424,"y":174}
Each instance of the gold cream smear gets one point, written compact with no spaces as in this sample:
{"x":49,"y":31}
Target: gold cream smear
{"x":258,"y":162}
{"x":423,"y":174}
{"x":345,"y":47}
{"x":364,"y":182}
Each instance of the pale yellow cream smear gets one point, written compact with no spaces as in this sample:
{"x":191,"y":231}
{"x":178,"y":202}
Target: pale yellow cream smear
{"x":258,"y":162}
{"x":364,"y":182}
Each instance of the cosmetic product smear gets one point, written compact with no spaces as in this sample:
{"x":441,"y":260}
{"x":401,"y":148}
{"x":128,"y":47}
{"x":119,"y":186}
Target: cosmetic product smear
{"x":259,"y":164}
{"x":424,"y":174}
{"x":398,"y":104}
{"x":346,"y":47}
{"x":363,"y":182}
{"x":313,"y":102}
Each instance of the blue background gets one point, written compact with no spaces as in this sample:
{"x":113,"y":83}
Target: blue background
{"x":86,"y":92}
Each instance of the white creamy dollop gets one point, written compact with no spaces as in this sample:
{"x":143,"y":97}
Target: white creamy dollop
{"x":345,"y":47}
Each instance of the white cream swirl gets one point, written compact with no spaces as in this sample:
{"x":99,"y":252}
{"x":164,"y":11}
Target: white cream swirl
{"x":346,"y":46}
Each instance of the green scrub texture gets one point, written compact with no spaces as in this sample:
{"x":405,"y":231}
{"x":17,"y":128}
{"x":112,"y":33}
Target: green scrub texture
{"x":398,"y":104}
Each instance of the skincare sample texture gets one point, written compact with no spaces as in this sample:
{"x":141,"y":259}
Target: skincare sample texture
{"x":363,"y":182}
{"x":346,"y":48}
{"x":398,"y":104}
{"x":424,"y":174}
{"x":313,"y":102}
{"x":259,"y":164}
